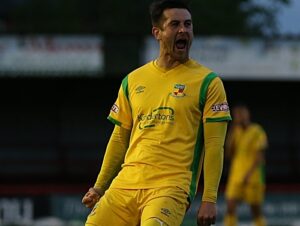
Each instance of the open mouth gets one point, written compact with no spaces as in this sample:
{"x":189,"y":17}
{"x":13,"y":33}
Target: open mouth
{"x":181,"y":44}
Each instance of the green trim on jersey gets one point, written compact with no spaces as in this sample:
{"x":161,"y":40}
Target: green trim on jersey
{"x":116,"y":122}
{"x":262,"y":173}
{"x":200,"y":139}
{"x":211,"y":76}
{"x":196,"y":161}
{"x":220,"y":119}
{"x":125,"y":87}
{"x":261,"y":167}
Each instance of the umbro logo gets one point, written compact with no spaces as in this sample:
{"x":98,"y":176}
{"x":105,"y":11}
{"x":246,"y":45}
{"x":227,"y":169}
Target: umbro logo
{"x":165,"y":211}
{"x":140,"y":89}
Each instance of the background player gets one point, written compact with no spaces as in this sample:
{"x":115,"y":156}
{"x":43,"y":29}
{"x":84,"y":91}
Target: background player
{"x":168,"y":113}
{"x":245,"y":146}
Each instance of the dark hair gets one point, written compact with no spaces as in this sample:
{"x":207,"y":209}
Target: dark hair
{"x":158,"y":6}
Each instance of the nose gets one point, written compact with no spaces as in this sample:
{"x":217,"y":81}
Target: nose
{"x":182,"y":29}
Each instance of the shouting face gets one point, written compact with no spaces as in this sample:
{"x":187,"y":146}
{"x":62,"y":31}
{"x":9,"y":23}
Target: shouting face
{"x":175,"y":34}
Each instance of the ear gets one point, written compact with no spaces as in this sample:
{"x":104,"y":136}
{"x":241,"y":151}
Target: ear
{"x":156,"y":33}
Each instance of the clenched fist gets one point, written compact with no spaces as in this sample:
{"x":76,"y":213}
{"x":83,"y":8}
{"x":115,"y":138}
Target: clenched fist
{"x":207,"y":214}
{"x":91,"y":198}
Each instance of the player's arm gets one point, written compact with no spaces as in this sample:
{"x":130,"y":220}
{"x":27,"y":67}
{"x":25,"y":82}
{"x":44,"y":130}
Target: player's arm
{"x":261,"y":146}
{"x":216,"y":116}
{"x":259,"y":159}
{"x":120,"y":115}
{"x":214,"y":136}
{"x":113,"y":159}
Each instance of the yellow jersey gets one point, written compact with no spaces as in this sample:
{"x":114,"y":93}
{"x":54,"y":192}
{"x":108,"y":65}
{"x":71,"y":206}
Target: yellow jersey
{"x":246,"y":143}
{"x":165,"y":111}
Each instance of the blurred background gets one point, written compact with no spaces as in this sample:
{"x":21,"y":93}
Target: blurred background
{"x":61,"y":65}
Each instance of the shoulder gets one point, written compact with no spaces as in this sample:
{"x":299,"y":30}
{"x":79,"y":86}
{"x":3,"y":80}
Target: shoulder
{"x":141,"y":70}
{"x":135,"y":75}
{"x":206,"y":75}
{"x":257,"y":128}
{"x":198,"y":68}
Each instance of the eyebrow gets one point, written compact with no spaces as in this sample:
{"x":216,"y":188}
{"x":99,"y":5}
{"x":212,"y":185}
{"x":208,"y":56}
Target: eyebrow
{"x":188,"y":20}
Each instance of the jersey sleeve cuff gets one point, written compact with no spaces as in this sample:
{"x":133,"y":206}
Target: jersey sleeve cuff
{"x":118,"y":123}
{"x":219,"y":119}
{"x":209,"y":199}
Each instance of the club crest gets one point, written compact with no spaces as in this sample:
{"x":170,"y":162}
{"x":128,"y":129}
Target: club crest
{"x":178,"y":90}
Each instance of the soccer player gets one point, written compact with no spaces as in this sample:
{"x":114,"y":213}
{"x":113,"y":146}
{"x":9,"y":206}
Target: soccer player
{"x":170,"y":120}
{"x":245,"y":146}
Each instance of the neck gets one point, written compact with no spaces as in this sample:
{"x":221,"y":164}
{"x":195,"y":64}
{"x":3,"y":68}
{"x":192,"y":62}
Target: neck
{"x":167,"y":62}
